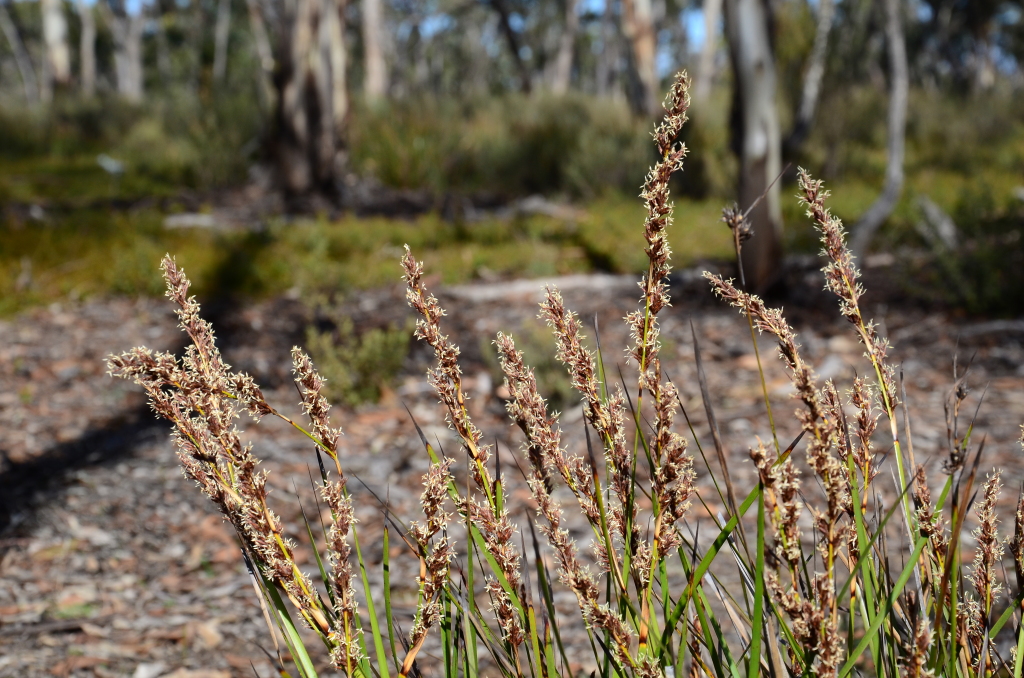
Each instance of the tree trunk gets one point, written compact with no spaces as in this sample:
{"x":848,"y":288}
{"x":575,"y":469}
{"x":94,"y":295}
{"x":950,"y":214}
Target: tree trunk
{"x":220,"y":40}
{"x":312,"y":102}
{"x":638,"y":26}
{"x":87,"y":49}
{"x":21,"y":57}
{"x":983,"y":67}
{"x":263,"y":50}
{"x":505,"y":23}
{"x":756,"y":136}
{"x":606,"y":59}
{"x":706,"y":68}
{"x":334,"y":33}
{"x":127,"y":32}
{"x":132,"y":57}
{"x":163,"y":51}
{"x":566,"y":47}
{"x":812,"y":78}
{"x":194,"y":44}
{"x":55,"y":42}
{"x":899,"y":77}
{"x":375,"y":78}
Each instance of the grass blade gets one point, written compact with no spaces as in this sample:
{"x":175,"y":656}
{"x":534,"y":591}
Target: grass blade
{"x":371,"y":611}
{"x":889,"y":602}
{"x":757,"y":623}
{"x":300,"y":655}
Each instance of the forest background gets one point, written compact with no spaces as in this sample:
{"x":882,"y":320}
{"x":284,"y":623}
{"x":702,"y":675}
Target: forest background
{"x":292,"y":145}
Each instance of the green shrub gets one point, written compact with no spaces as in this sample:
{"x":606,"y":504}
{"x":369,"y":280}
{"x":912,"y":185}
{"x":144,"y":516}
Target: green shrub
{"x":130,"y":271}
{"x":507,"y":146}
{"x":536,"y":343}
{"x":148,"y":149}
{"x":358,"y":367}
{"x":21,"y":133}
{"x":984,"y":272}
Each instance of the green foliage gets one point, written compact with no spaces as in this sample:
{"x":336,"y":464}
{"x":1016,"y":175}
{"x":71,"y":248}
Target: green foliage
{"x":796,"y":21}
{"x":711,"y":167}
{"x":985,"y":271}
{"x":148,"y":149}
{"x":509,"y":145}
{"x":405,"y":146}
{"x":358,"y":367}
{"x":512,"y":145}
{"x":172,"y":141}
{"x":131,"y":269}
{"x":21,"y":133}
{"x":966,"y":134}
{"x":97,"y":251}
{"x":537,"y":346}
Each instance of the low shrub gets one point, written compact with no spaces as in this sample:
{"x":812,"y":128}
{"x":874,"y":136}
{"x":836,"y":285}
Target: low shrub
{"x":975,"y":259}
{"x":512,"y":145}
{"x":357,"y":368}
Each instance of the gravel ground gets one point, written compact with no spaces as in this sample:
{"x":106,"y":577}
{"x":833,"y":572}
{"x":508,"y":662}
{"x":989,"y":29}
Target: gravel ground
{"x":112,"y":564}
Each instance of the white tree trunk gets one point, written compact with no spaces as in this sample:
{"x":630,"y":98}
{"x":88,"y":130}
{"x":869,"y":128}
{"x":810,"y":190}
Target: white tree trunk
{"x":220,"y":40}
{"x":375,"y":78}
{"x":87,"y":49}
{"x":812,"y":78}
{"x":297,"y":173}
{"x":566,"y":47}
{"x":706,"y":66}
{"x":514,"y":48}
{"x":132,"y":88}
{"x":55,"y":42}
{"x":607,"y":56}
{"x":899,"y":77}
{"x":312,"y":101}
{"x":338,"y":59}
{"x":638,"y":27}
{"x":263,"y":50}
{"x":816,"y":68}
{"x":758,"y":136}
{"x":127,"y":32}
{"x":21,"y":57}
{"x":163,"y":53}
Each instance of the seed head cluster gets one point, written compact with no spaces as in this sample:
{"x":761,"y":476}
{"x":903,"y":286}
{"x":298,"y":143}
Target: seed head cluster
{"x":487,"y":509}
{"x":202,"y":398}
{"x":822,"y":589}
{"x":528,"y":410}
{"x":841,"y":278}
{"x":990,"y":549}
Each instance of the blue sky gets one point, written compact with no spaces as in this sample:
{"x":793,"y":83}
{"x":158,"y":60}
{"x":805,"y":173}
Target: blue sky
{"x":692,"y":19}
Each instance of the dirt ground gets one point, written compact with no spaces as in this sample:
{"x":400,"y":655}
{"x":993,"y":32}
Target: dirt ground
{"x":112,"y":564}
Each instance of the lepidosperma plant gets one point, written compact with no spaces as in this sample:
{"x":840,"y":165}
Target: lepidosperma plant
{"x":820,"y":590}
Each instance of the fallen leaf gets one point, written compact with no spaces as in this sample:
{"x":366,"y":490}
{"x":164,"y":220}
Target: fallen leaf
{"x":95,"y":631}
{"x":209,"y":634}
{"x":238,"y":662}
{"x":64,"y":668}
{"x":197,"y":673}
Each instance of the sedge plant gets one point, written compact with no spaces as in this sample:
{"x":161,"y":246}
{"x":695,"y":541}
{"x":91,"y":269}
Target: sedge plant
{"x":821,"y":590}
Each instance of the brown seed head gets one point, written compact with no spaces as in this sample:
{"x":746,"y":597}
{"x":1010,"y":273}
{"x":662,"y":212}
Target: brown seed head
{"x":738,"y":223}
{"x":990,"y":549}
{"x":314,"y":404}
